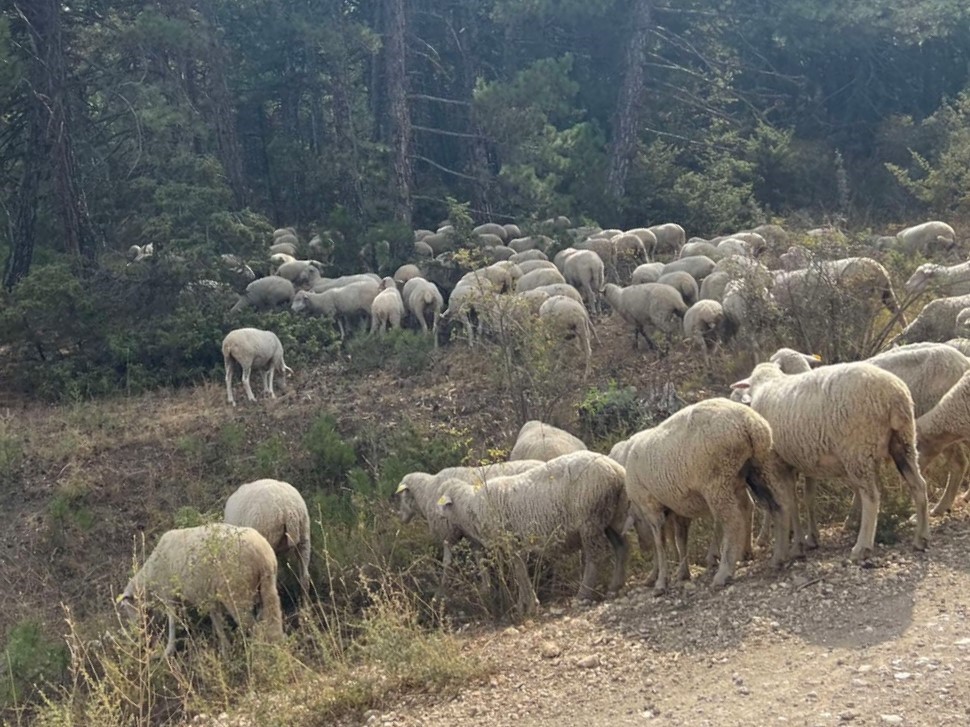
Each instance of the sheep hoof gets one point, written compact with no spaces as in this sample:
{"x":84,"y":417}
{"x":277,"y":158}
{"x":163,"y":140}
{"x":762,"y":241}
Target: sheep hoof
{"x":860,"y":554}
{"x":811,"y":542}
{"x":921,"y":542}
{"x":659,"y":591}
{"x":720,"y":581}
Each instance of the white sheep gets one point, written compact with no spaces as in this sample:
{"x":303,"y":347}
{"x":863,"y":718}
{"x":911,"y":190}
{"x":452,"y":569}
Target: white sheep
{"x":701,"y":247}
{"x":584,"y":270}
{"x":943,"y":430}
{"x":960,"y":344}
{"x":648,"y":239}
{"x":951,"y":281}
{"x":470,"y":297}
{"x":670,"y":238}
{"x":578,"y":497}
{"x":558,"y":289}
{"x":278,"y":512}
{"x":345,"y":303}
{"x":491,"y":228}
{"x":537,"y":278}
{"x":936,"y":321}
{"x":926,"y":238}
{"x":423,"y":250}
{"x":285,"y":247}
{"x":422,"y":297}
{"x":404,"y":273}
{"x":252,"y":348}
{"x":325,"y":284}
{"x":714,"y":285}
{"x":646,"y":306}
{"x":704,"y":325}
{"x":684,"y":283}
{"x":417,"y":494}
{"x":527,"y":266}
{"x":527,"y":255}
{"x":698,"y":266}
{"x":569,"y":319}
{"x":216,"y":568}
{"x":544,"y":442}
{"x":842,"y":421}
{"x":266,"y":293}
{"x":733,"y":246}
{"x":387,"y":308}
{"x":705,"y":459}
{"x":646,"y":273}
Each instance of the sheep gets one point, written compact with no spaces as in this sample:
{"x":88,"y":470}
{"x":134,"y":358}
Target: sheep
{"x":215,"y":568}
{"x":558,"y":289}
{"x":468,"y":297}
{"x":861,"y":277}
{"x":646,"y":273}
{"x":648,"y":305}
{"x":743,"y":300}
{"x":512,"y":231}
{"x":277,"y":511}
{"x":963,"y":323}
{"x":568,"y":317}
{"x":705,"y":459}
{"x":301,"y":272}
{"x":253,"y":348}
{"x":423,"y":250}
{"x":602,"y":247}
{"x":628,"y":248}
{"x":754,"y":243}
{"x":943,"y":429}
{"x":841,"y":421}
{"x":925,"y":238}
{"x":238,"y":267}
{"x":286,"y":248}
{"x":584,"y":270}
{"x":387,"y":308}
{"x":774,"y":236}
{"x":284,"y":232}
{"x":527,"y":255}
{"x":487,"y":241}
{"x":698,"y":266}
{"x":537,"y":278}
{"x":733,"y":246}
{"x":951,"y":281}
{"x":266,"y":293}
{"x":714,"y":285}
{"x":543,"y":442}
{"x":960,"y":344}
{"x":490,"y":228}
{"x":420,"y":297}
{"x":404,"y":273}
{"x":527,"y":266}
{"x":796,"y":258}
{"x":701,"y":247}
{"x":532,"y":242}
{"x":439,"y":242}
{"x":345,"y":303}
{"x":418,"y":493}
{"x":578,"y":497}
{"x":704,"y":325}
{"x":684,"y":283}
{"x":325,"y":284}
{"x":936,"y":322}
{"x":670,"y":238}
{"x":420,"y":234}
{"x":279,"y":258}
{"x":648,"y":239}
{"x":499,"y":252}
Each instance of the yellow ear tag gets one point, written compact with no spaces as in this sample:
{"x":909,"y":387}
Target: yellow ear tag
{"x":400,"y":488}
{"x":816,"y":357}
{"x":120,"y":598}
{"x":443,"y":500}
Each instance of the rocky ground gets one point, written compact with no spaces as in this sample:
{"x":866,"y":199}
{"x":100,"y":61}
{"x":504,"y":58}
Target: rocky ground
{"x":825,"y":642}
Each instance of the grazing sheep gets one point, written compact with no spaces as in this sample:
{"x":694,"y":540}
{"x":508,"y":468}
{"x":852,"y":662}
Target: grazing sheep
{"x":279,"y":258}
{"x":533,"y":242}
{"x":578,"y":497}
{"x":284,"y":232}
{"x":303,"y":273}
{"x":538,"y":278}
{"x":512,"y":231}
{"x":253,"y":348}
{"x":733,"y":246}
{"x":698,"y":266}
{"x":926,"y":238}
{"x":584,"y":270}
{"x":754,"y":243}
{"x":406,"y":272}
{"x":936,"y":322}
{"x":238,"y":267}
{"x":439,"y":242}
{"x":602,"y":247}
{"x":423,"y":250}
{"x":216,"y":568}
{"x":861,"y":277}
{"x":277,"y":511}
{"x":742,"y":301}
{"x":527,"y":266}
{"x":960,"y":344}
{"x":420,"y":298}
{"x":963,"y":323}
{"x":646,"y":273}
{"x":670,"y":238}
{"x":499,"y":252}
{"x":569,"y":318}
{"x":266,"y":293}
{"x":559,"y":289}
{"x":286,"y":248}
{"x":704,"y":325}
{"x":774,"y":236}
{"x":387,"y":308}
{"x":526,"y":255}
{"x":629,"y":250}
{"x":648,"y":239}
{"x":701,"y":247}
{"x":842,"y":421}
{"x":684,"y":283}
{"x":950,"y":281}
{"x":704,"y":459}
{"x":345,"y":304}
{"x":467,"y":300}
{"x":490,"y":228}
{"x":650,"y":305}
{"x":714,"y":285}
{"x":418,"y":493}
{"x":544,"y":442}
{"x":325,"y":284}
{"x":797,"y":258}
{"x":943,"y":430}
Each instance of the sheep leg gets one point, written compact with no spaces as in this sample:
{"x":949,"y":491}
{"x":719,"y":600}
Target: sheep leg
{"x":219,"y":626}
{"x":917,"y":490}
{"x":303,"y":561}
{"x":621,"y":552}
{"x":657,"y":518}
{"x":681,"y":528}
{"x":956,"y":459}
{"x":247,"y":370}
{"x":869,"y":495}
{"x":732,"y":543}
{"x":714,"y":549}
{"x":811,"y":538}
{"x":645,"y":541}
{"x":170,"y":646}
{"x":268,"y":381}
{"x":228,"y":364}
{"x":591,"y":552}
{"x":528,"y":602}
{"x":852,"y":519}
{"x":747,"y":507}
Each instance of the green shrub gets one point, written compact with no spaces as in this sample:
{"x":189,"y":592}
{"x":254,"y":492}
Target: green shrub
{"x":329,"y":457}
{"x":399,"y":351}
{"x":32,"y":661}
{"x":612,"y":413}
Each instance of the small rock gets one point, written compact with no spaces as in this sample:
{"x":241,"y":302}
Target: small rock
{"x":902,"y":676}
{"x":891,"y":719}
{"x":549,"y":650}
{"x":744,"y":691}
{"x":588,"y":662}
{"x":511,"y":631}
{"x":847,"y":716}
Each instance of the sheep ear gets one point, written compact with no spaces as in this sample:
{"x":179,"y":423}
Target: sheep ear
{"x":120,"y":598}
{"x":444,"y":501}
{"x":401,"y":488}
{"x":742,"y":384}
{"x":814,"y":360}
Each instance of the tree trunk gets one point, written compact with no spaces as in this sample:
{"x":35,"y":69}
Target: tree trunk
{"x":395,"y":50}
{"x":624,"y":142}
{"x":343,"y":121}
{"x":24,"y":223}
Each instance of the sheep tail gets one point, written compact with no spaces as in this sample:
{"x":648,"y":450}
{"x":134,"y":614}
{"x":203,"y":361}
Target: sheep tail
{"x":904,"y":455}
{"x":753,"y":471}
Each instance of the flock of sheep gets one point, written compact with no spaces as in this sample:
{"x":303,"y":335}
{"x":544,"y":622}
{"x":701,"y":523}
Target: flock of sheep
{"x":898,"y":410}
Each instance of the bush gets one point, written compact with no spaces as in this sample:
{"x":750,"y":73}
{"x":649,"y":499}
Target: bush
{"x":399,"y":351}
{"x":32,"y":661}
{"x":612,"y":413}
